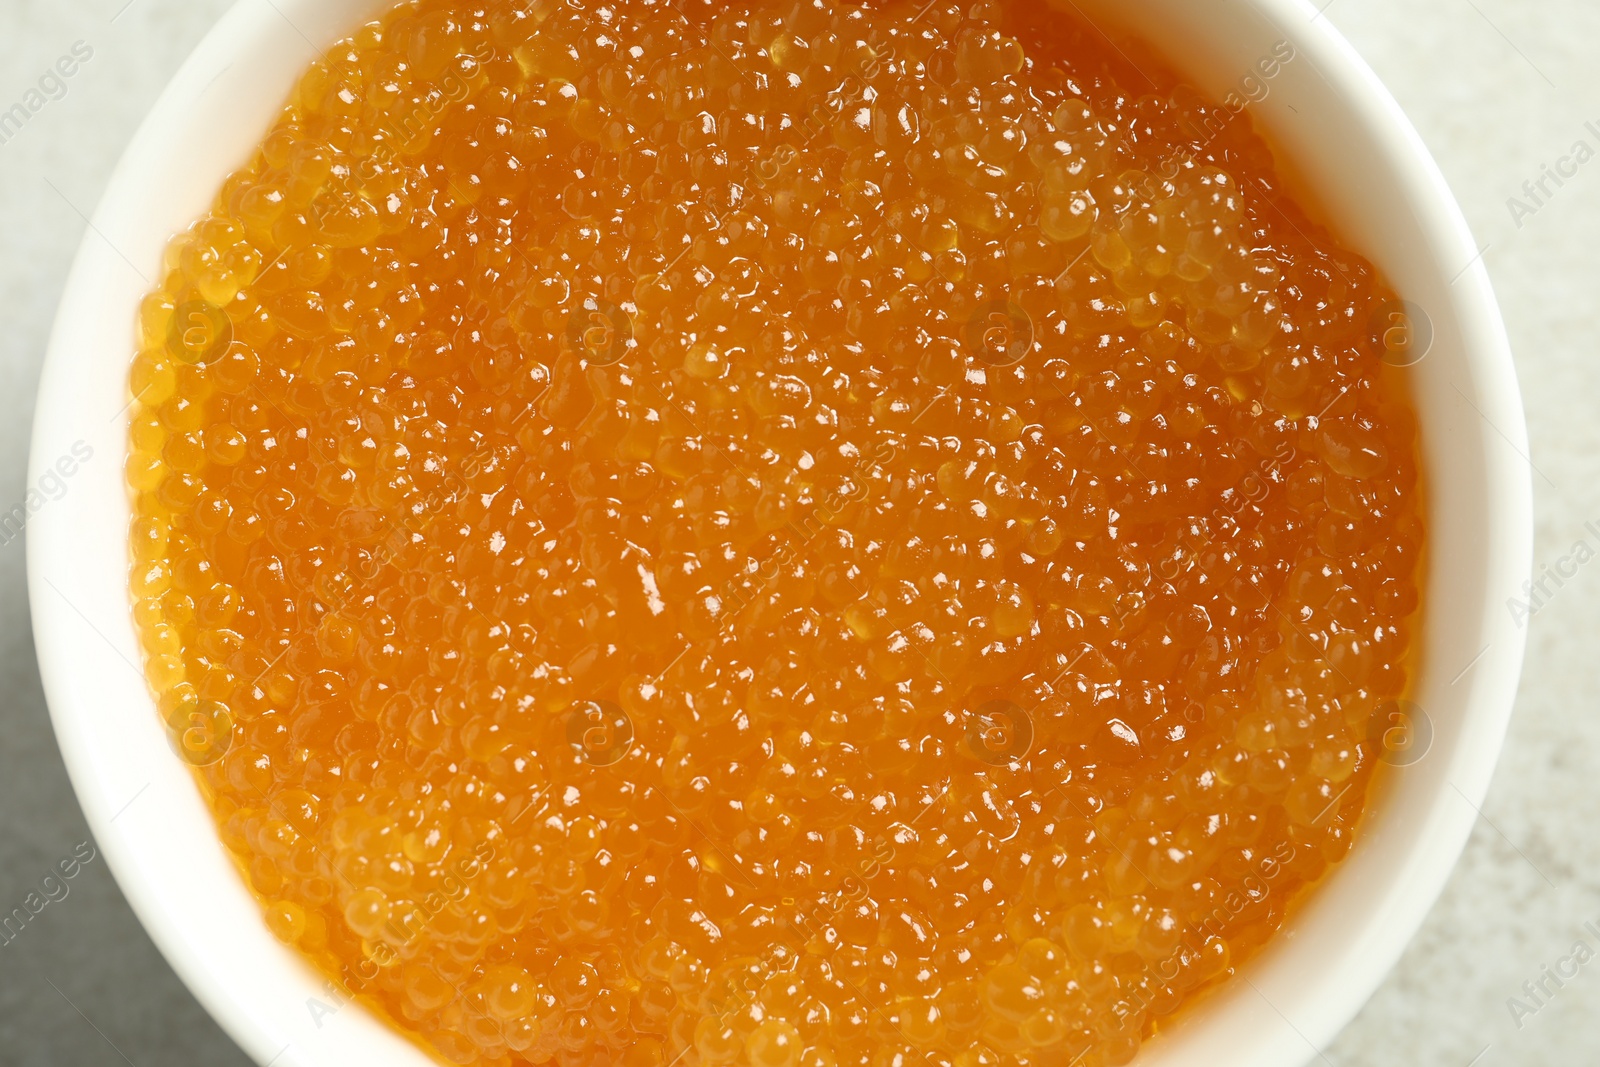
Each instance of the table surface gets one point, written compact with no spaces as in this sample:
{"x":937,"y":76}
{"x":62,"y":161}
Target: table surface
{"x":1498,"y":88}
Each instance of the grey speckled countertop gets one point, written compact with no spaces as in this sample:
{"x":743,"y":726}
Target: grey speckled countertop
{"x":1498,"y":88}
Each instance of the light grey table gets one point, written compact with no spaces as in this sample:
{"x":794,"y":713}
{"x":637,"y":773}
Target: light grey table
{"x":1499,"y":90}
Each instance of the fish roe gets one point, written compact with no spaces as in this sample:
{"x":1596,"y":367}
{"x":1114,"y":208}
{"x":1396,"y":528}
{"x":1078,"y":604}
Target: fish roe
{"x":803,"y":535}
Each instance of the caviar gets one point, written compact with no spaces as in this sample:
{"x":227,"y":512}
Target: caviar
{"x":798,"y":536}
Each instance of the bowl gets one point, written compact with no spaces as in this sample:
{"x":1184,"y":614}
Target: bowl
{"x":1355,"y":155}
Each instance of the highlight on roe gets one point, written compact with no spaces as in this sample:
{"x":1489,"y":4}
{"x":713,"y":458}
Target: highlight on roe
{"x":793,"y":535}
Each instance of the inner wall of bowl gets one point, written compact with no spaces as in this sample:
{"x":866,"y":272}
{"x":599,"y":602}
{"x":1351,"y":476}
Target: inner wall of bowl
{"x":158,"y":835}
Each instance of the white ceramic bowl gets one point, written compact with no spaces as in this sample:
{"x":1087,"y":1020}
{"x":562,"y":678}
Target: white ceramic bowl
{"x":1328,"y":114}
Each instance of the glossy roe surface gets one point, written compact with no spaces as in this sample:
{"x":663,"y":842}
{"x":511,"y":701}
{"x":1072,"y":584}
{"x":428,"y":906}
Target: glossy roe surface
{"x":793,"y":535}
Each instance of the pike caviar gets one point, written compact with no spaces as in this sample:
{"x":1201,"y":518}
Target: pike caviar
{"x":797,"y":536}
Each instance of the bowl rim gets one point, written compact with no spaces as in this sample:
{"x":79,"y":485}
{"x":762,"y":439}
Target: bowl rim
{"x":1325,"y":1006}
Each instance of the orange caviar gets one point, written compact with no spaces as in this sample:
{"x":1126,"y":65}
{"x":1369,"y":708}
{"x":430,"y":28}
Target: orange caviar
{"x":798,"y":535}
